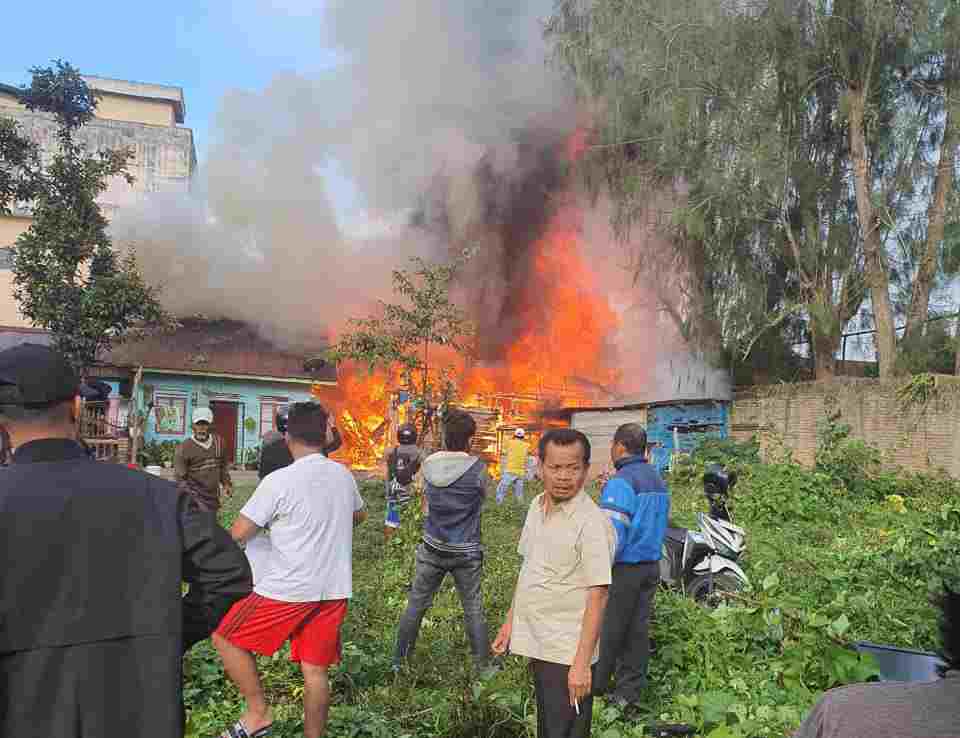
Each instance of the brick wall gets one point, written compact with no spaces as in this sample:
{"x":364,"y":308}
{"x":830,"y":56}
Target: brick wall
{"x":917,"y":437}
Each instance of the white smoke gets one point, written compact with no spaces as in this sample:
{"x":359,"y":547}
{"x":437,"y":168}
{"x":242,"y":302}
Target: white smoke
{"x":427,"y":87}
{"x":428,"y":91}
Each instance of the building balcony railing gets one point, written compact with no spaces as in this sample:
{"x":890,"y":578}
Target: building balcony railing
{"x":96,"y":421}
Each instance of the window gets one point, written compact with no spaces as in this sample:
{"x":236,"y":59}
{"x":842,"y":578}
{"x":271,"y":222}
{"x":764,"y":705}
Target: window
{"x":268,"y":409}
{"x":6,"y":258}
{"x":171,"y":414}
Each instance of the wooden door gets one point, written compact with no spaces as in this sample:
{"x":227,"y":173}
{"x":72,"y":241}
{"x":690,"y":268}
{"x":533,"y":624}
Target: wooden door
{"x":225,"y":417}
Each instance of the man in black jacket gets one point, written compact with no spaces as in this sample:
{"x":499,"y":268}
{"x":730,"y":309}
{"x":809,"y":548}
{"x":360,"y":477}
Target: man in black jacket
{"x":92,"y":557}
{"x":274,"y":453}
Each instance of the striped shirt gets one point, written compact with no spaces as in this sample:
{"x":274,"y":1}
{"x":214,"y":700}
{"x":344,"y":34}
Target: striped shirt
{"x":206,"y":467}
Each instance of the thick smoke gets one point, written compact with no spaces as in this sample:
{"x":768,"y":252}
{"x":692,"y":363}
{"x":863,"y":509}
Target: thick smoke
{"x":445,"y":112}
{"x":426,"y":91}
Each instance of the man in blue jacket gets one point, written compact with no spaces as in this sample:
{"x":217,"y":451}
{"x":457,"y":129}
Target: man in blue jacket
{"x":638,"y":503}
{"x":456,"y":484}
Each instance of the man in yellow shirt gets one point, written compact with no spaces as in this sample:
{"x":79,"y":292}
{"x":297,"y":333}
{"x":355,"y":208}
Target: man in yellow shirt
{"x":513,"y":466}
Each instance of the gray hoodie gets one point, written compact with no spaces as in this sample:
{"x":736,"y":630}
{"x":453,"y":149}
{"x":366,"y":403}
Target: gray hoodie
{"x":456,"y":486}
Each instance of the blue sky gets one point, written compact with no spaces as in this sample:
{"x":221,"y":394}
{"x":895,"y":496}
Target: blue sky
{"x":206,"y":48}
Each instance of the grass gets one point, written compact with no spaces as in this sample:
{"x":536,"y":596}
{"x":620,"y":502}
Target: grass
{"x":826,"y":569}
{"x":436,"y":690}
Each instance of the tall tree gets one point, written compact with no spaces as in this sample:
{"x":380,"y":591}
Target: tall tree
{"x":931,"y":74}
{"x":801,"y":131}
{"x":897,"y":61}
{"x":67,"y":276}
{"x":402,"y":335}
{"x":728,"y":107}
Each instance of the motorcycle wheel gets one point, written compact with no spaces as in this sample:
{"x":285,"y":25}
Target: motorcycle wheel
{"x":700,"y":590}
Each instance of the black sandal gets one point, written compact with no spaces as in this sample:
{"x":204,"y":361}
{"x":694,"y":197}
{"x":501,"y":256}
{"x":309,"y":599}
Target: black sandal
{"x":239,"y":731}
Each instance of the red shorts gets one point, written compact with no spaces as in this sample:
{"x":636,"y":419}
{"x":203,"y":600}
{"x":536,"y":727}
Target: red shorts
{"x":262,"y":625}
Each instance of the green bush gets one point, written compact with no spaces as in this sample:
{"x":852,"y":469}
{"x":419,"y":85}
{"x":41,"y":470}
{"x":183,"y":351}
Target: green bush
{"x":731,"y":454}
{"x":934,"y":350}
{"x":727,"y":451}
{"x":850,"y":463}
{"x":151,"y":454}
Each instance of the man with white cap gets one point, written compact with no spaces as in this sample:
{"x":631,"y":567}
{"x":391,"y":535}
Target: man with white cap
{"x":201,"y":463}
{"x":514,"y":466}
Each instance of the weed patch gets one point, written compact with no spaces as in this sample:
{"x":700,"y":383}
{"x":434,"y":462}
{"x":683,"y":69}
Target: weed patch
{"x":831,"y":562}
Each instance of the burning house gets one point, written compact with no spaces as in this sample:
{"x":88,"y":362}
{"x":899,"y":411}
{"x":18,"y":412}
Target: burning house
{"x":474,"y":158}
{"x":552,"y":348}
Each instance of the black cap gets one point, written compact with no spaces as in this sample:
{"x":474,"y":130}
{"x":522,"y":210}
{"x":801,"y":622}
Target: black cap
{"x":32,"y":374}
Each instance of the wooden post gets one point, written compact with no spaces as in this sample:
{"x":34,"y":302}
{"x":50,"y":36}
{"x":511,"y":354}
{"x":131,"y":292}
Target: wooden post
{"x":136,"y":420}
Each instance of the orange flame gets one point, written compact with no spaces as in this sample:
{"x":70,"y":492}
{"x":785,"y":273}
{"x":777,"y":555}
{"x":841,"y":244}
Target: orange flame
{"x":359,"y":403}
{"x":560,"y":361}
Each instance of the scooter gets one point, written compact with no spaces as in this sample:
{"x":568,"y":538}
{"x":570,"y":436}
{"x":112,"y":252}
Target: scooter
{"x":704,"y":562}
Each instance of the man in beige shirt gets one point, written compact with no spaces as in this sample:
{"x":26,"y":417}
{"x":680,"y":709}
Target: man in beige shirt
{"x":567,"y":545}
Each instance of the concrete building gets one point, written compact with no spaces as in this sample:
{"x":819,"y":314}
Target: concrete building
{"x":219,"y":364}
{"x":146,"y":118}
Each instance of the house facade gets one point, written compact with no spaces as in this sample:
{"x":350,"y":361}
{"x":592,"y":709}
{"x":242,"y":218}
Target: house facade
{"x":222,"y":365}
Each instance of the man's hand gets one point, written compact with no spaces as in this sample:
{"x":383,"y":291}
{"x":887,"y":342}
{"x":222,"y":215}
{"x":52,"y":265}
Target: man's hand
{"x":579,"y":682}
{"x":228,"y":489}
{"x":502,"y":641}
{"x":243,"y":529}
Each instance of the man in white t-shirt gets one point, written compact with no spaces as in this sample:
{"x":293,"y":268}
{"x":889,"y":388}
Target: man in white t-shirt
{"x":304,"y":579}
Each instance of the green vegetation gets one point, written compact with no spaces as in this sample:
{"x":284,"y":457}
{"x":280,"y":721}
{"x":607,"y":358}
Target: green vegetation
{"x":797,"y":158}
{"x":157,"y":453}
{"x":399,"y":337}
{"x":68,"y":278}
{"x":832,"y":559}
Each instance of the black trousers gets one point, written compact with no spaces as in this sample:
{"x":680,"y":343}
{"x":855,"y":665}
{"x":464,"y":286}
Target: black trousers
{"x":625,"y":638}
{"x":556,"y":717}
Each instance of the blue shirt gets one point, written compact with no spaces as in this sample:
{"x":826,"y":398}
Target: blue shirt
{"x":638,"y":503}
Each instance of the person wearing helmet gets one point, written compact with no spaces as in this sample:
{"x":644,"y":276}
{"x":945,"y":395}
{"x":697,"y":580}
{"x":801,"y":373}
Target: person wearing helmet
{"x":201,"y":460}
{"x":514,"y":466}
{"x":403,"y":463}
{"x":274,"y":453}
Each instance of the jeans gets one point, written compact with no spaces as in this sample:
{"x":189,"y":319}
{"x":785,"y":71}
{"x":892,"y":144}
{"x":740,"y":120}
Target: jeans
{"x":432,"y":566}
{"x":556,"y":718}
{"x":625,"y":638}
{"x":505,"y":481}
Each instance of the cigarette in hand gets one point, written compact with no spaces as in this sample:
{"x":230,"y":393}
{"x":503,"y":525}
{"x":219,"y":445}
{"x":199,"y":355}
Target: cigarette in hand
{"x":576,"y":705}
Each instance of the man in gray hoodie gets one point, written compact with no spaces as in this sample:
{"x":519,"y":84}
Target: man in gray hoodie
{"x":456,"y":484}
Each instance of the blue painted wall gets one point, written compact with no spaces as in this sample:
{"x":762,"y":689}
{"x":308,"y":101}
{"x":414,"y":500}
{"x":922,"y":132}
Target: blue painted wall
{"x":199,"y":391}
{"x":694,"y":420}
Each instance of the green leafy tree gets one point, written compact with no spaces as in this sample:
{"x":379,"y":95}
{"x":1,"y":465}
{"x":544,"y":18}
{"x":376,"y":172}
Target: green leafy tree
{"x":402,"y":335}
{"x":726,"y":109}
{"x":67,"y":276}
{"x":799,"y":134}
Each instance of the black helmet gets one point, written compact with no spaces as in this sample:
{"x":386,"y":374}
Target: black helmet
{"x":718,"y":481}
{"x":407,"y":434}
{"x":282,"y":414}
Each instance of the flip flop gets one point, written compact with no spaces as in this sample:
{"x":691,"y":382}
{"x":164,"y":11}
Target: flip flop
{"x":239,"y":731}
